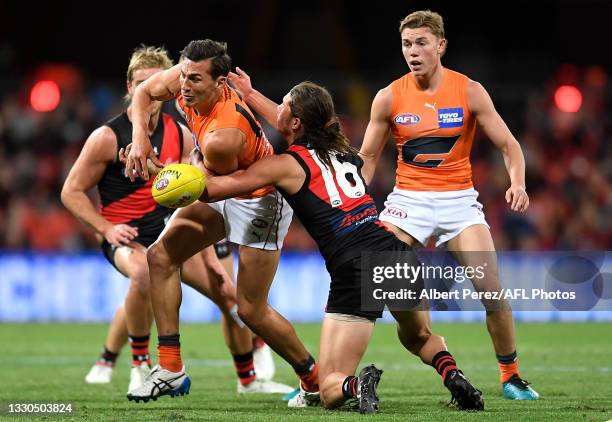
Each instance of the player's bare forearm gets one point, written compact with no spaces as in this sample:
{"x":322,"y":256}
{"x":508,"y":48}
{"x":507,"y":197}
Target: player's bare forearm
{"x":223,"y":187}
{"x":140,"y":112}
{"x":371,"y":149}
{"x":369,"y":166}
{"x":264,"y":106}
{"x":515,"y":162}
{"x":272,"y":170}
{"x":81,"y":207}
{"x":162,"y":86}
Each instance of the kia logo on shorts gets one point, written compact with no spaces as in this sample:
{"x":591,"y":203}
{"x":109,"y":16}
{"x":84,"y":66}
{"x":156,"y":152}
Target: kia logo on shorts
{"x":162,"y":184}
{"x":259,"y":223}
{"x":407,"y":119}
{"x":395,"y":212}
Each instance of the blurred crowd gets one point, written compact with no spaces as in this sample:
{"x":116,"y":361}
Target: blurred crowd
{"x":568,"y":158}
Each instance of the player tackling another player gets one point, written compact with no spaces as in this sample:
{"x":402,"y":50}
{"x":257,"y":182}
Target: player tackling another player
{"x":432,"y":113}
{"x":320,"y":177}
{"x":129,"y":221}
{"x":229,"y":138}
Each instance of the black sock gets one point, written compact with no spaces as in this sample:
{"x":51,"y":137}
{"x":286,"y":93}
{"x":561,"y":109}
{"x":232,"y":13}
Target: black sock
{"x":109,"y":357}
{"x":507,"y":359}
{"x":171,"y":340}
{"x":306,"y":367}
{"x":349,"y":387}
{"x":443,"y":362}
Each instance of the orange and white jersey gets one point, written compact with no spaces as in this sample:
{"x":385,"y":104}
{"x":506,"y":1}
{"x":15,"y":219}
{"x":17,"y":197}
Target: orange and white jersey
{"x":433,"y":134}
{"x":231,"y":112}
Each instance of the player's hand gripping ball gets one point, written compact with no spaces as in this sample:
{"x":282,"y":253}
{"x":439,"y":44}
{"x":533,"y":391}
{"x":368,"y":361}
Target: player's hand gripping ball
{"x":178,"y":185}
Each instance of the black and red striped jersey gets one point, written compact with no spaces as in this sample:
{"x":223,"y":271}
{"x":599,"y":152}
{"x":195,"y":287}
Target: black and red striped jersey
{"x":335,"y":207}
{"x":126,"y":202}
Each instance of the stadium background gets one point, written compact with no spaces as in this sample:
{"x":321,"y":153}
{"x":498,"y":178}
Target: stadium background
{"x":522,"y":56}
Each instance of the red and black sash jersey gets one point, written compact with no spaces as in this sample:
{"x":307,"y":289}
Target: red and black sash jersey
{"x":335,"y":207}
{"x":126,"y":202}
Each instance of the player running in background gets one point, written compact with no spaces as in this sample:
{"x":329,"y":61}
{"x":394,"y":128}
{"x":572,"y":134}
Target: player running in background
{"x":320,"y":176}
{"x":229,"y":138}
{"x":130,"y":221}
{"x":432,"y":113}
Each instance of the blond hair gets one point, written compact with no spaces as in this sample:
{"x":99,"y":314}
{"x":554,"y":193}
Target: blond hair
{"x":424,"y":18}
{"x":146,"y":57}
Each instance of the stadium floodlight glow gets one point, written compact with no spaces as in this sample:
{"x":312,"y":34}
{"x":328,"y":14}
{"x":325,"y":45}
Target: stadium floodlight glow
{"x":568,"y":98}
{"x":45,"y":96}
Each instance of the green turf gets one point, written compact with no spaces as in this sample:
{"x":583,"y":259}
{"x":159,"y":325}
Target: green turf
{"x":569,"y":364}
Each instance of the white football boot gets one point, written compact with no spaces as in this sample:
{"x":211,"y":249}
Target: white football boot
{"x":304,"y":398}
{"x":161,"y":382}
{"x":138,"y":375}
{"x":264,"y":363}
{"x":100,"y":373}
{"x":264,"y":387}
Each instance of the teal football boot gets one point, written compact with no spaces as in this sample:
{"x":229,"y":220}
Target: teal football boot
{"x":518,"y":389}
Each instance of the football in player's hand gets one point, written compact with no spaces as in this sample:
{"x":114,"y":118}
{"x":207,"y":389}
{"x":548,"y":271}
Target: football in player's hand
{"x":178,"y":185}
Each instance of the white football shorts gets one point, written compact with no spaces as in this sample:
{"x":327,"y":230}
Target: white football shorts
{"x":260,"y":223}
{"x":423,"y":214}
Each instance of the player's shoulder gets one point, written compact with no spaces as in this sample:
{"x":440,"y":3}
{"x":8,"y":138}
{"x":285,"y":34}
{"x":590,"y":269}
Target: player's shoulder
{"x":101,"y":145}
{"x":383,"y":100}
{"x":455,"y":76}
{"x":103,"y":134}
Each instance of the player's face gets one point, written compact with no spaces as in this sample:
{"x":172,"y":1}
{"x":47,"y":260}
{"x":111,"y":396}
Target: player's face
{"x":422,"y":50}
{"x":197,"y":86}
{"x":286,"y":121}
{"x":138,"y":77}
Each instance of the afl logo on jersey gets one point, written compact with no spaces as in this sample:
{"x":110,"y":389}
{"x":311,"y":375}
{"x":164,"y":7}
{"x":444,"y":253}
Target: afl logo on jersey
{"x":407,"y":119}
{"x":162,"y":184}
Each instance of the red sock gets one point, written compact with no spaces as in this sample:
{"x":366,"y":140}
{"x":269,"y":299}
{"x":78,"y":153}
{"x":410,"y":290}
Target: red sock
{"x":310,"y":380}
{"x":245,"y":368}
{"x":444,"y":362}
{"x":140,"y":350}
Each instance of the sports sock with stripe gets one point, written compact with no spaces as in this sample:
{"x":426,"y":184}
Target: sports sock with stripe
{"x":140,"y":349}
{"x":308,"y":372}
{"x":508,"y":366}
{"x":169,"y":352}
{"x":245,"y":368}
{"x":443,"y":362}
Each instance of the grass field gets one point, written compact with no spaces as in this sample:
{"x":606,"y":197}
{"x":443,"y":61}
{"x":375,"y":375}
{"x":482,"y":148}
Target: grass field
{"x":569,"y":364}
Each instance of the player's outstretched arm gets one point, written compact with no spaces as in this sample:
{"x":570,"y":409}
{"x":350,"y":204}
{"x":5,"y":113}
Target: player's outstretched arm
{"x":377,"y":133}
{"x":162,"y":86}
{"x":497,"y":131}
{"x":255,"y":99}
{"x":97,"y":154}
{"x":277,"y":170}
